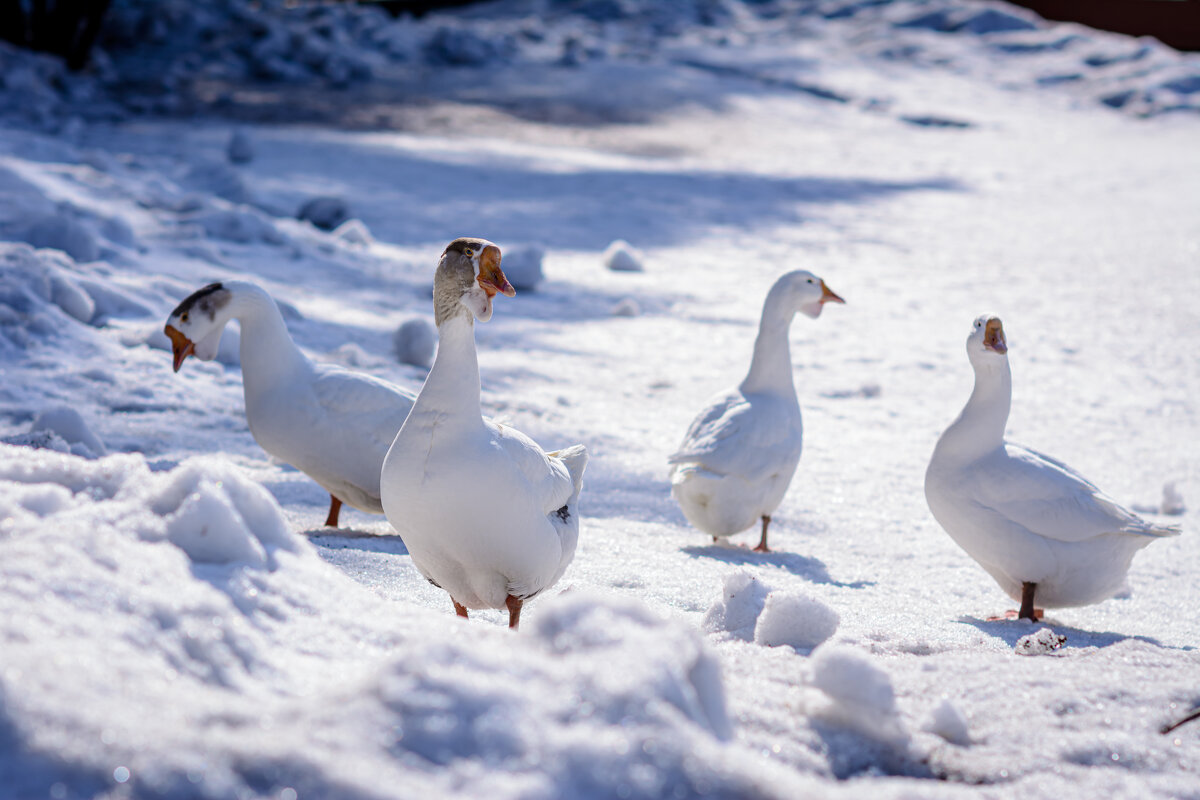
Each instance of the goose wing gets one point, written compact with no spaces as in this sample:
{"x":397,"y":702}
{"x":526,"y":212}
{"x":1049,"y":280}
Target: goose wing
{"x":736,"y":435}
{"x":362,"y":407}
{"x":1050,"y":499}
{"x":551,"y":485}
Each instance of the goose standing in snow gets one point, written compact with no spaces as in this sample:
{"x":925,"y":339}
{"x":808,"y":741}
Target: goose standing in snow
{"x":1037,"y":526}
{"x":332,"y":424}
{"x":741,"y":451}
{"x":486,"y":514}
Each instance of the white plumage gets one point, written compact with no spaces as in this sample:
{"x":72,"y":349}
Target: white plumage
{"x":739,"y":454}
{"x":332,"y":424}
{"x":1037,"y":526}
{"x":485,"y":513}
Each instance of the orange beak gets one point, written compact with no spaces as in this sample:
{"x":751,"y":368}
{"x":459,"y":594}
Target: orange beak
{"x":490,"y":277}
{"x":829,"y":295}
{"x":993,"y":336}
{"x":181,"y":346}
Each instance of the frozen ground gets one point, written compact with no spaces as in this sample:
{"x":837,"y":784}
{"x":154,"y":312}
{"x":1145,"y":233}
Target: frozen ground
{"x":169,"y":629}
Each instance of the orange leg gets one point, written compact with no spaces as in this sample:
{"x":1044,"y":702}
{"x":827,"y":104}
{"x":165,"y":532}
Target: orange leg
{"x":458,"y":609}
{"x":762,"y":543}
{"x":335,"y":506}
{"x":514,"y":611}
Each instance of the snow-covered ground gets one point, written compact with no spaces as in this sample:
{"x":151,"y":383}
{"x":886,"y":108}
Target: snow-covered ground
{"x":170,"y":628}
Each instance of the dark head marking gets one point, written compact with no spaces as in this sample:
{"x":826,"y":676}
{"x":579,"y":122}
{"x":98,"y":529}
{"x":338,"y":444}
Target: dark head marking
{"x":202,"y":299}
{"x":460,"y":244}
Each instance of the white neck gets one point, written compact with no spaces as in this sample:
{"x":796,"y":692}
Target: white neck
{"x":267,"y":350}
{"x":979,"y":429}
{"x":452,"y":386}
{"x":771,"y":366}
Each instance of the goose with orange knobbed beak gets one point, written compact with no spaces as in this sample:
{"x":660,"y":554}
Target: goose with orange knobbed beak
{"x":738,"y":457}
{"x":486,"y":514}
{"x":332,"y":424}
{"x":1042,"y":530}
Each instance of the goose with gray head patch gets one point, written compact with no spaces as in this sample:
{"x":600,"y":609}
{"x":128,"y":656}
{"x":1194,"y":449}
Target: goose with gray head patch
{"x":486,"y":514}
{"x":740,"y":452}
{"x":332,"y":424}
{"x":1033,"y":523}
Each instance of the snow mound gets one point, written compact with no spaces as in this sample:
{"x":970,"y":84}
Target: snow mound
{"x":415,"y":342}
{"x":354,"y":232}
{"x":242,"y":225}
{"x":949,"y":723}
{"x":240,"y":149}
{"x":39,"y":296}
{"x":621,"y":256}
{"x":1040,"y":643}
{"x":858,"y":694}
{"x":626,"y":307}
{"x":325,"y":213}
{"x":216,"y":178}
{"x":795,"y":620}
{"x":736,"y":613}
{"x":62,"y":231}
{"x":67,"y":424}
{"x":1172,"y":500}
{"x":523,"y":266}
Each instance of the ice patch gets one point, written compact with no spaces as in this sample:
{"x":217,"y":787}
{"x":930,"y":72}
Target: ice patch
{"x":1040,"y":643}
{"x":796,"y":621}
{"x":736,"y":613}
{"x":621,"y":256}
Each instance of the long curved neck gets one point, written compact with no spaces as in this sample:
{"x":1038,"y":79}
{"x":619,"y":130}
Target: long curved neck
{"x":453,"y":382}
{"x":267,"y":350}
{"x":979,"y":429}
{"x":771,"y":366}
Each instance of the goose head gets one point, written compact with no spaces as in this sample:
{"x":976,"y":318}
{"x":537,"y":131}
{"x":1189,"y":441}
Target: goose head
{"x":195,"y":326}
{"x":806,"y":293}
{"x":469,"y":273}
{"x":987,"y":341}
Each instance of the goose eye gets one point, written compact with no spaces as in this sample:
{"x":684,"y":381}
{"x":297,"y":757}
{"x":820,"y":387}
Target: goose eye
{"x":810,"y":280}
{"x":183,"y":317}
{"x":469,"y":251}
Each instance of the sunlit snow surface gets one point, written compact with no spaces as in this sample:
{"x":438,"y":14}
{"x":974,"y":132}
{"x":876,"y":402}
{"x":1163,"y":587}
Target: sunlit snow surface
{"x":168,"y":627}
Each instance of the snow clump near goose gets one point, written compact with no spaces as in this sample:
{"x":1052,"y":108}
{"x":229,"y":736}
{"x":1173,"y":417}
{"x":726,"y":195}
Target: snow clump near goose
{"x":795,"y":620}
{"x":621,"y":256}
{"x":736,"y":613}
{"x":415,"y":342}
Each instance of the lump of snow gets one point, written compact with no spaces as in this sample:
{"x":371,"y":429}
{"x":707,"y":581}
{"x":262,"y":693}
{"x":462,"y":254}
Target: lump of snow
{"x":354,"y":231}
{"x":949,"y":723}
{"x":325,"y":213}
{"x":415,"y":342}
{"x":240,"y":149}
{"x":856,"y":695}
{"x":1172,"y":500}
{"x":795,"y":620}
{"x":461,"y":47}
{"x":1039,"y":643}
{"x":219,"y":179}
{"x":736,"y":613}
{"x":621,"y":256}
{"x":67,"y":423}
{"x":523,"y":266}
{"x":61,"y":231}
{"x":242,"y":226}
{"x":627,"y":307}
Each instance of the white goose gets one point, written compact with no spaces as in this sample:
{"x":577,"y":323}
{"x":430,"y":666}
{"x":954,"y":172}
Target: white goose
{"x":741,"y":451}
{"x":486,"y":514}
{"x":1037,"y":526}
{"x":332,"y":424}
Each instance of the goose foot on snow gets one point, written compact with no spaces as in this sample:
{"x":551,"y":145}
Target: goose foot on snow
{"x":335,"y":507}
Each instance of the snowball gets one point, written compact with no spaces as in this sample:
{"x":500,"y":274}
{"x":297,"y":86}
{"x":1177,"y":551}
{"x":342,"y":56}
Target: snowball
{"x":415,"y":342}
{"x":61,"y":231}
{"x":948,"y":722}
{"x":325,"y":213}
{"x":241,"y":147}
{"x":1172,"y":500}
{"x":795,"y":620}
{"x":621,"y":256}
{"x":851,"y":680}
{"x":523,"y":266}
{"x":1039,"y":643}
{"x":67,"y":423}
{"x":627,"y":307}
{"x":742,"y":599}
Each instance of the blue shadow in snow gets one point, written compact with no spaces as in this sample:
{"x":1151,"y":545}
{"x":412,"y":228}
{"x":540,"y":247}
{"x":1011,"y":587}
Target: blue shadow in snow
{"x":1010,"y":630}
{"x":811,"y":569}
{"x":346,"y":539}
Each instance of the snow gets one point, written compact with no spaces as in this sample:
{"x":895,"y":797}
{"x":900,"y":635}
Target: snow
{"x":621,"y":256}
{"x":176,"y":621}
{"x":1040,"y":643}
